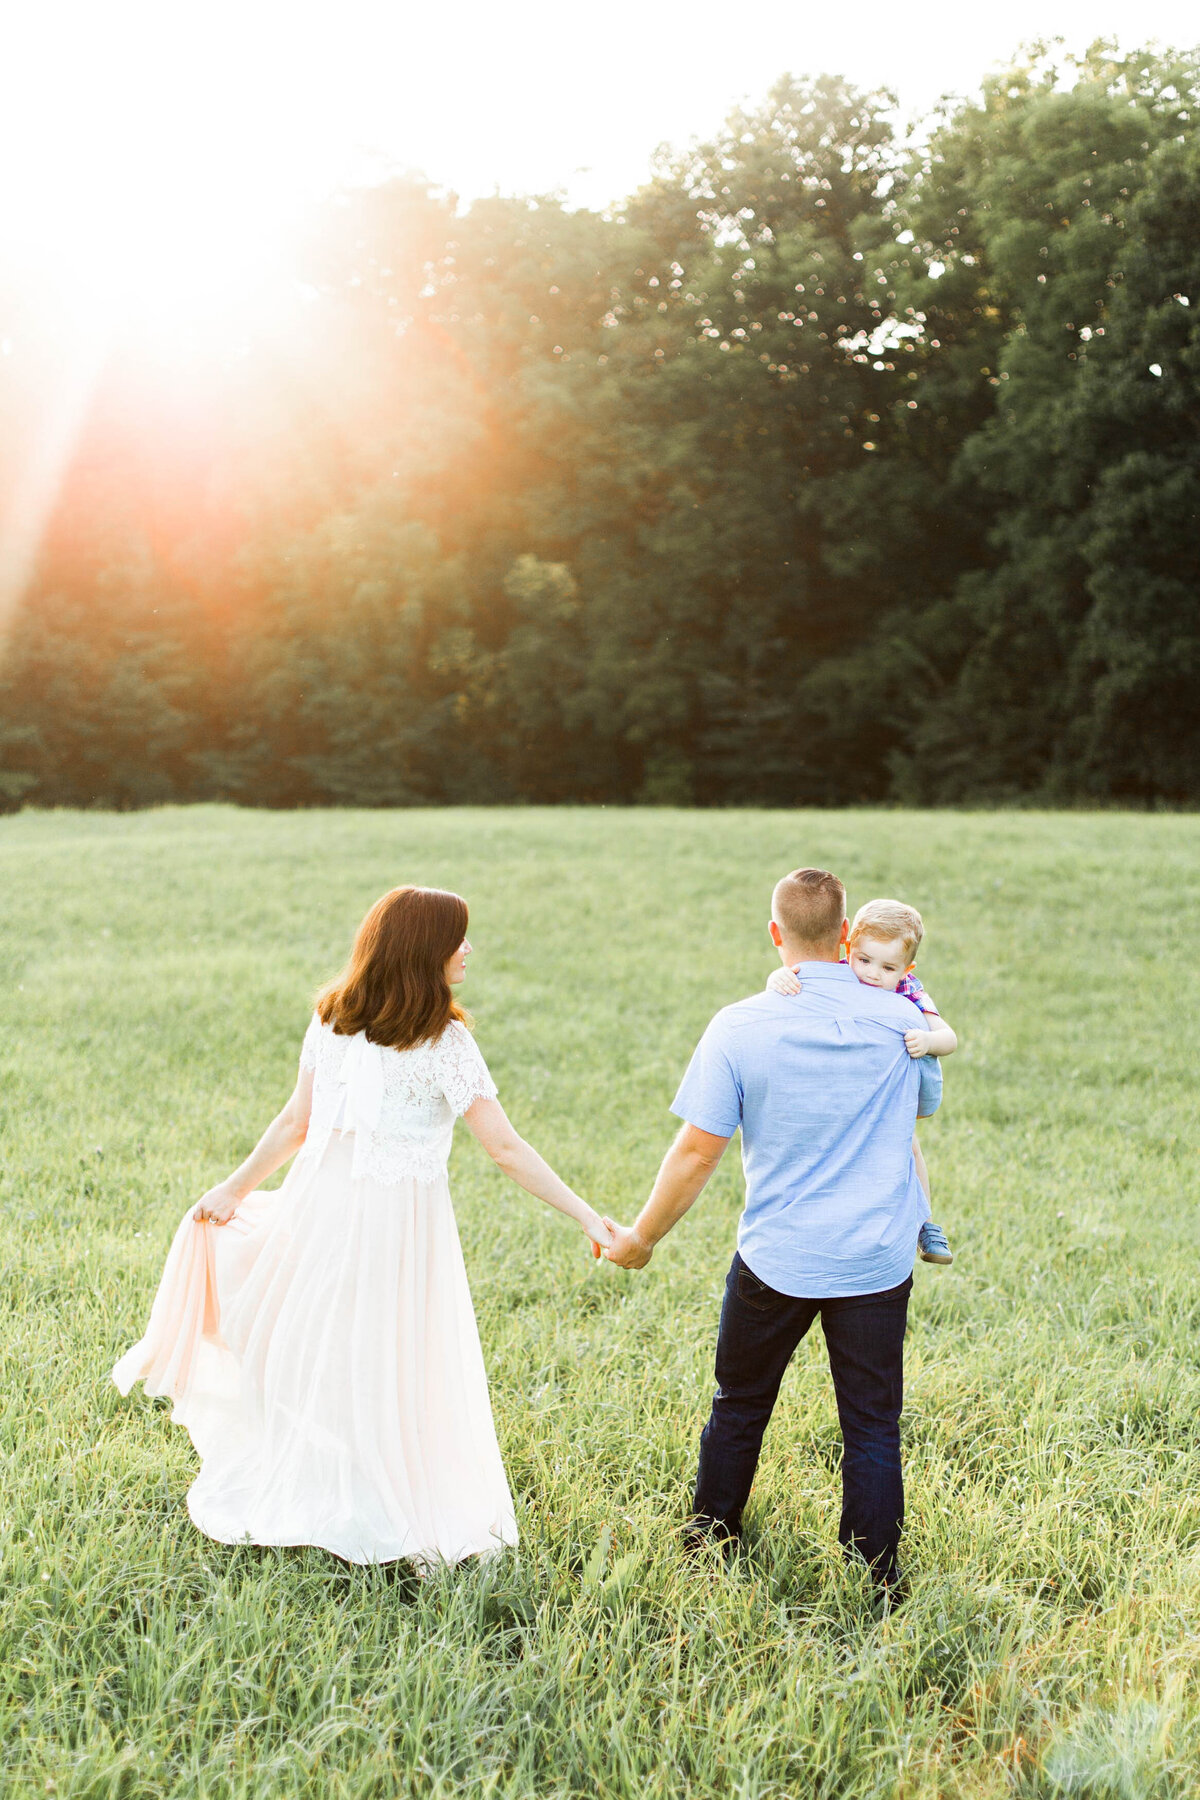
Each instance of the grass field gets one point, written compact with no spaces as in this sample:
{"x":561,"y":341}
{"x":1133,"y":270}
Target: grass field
{"x":158,"y":975}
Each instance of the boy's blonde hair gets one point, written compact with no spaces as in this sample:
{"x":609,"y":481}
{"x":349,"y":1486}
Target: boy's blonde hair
{"x":884,"y":920}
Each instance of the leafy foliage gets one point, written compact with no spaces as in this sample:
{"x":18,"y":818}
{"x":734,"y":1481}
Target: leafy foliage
{"x":830,"y":469}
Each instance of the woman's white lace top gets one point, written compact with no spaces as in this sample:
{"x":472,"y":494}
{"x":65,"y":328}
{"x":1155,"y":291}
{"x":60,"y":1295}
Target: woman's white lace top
{"x":400,"y":1104}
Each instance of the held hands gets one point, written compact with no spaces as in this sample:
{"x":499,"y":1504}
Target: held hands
{"x":784,"y":981}
{"x":597,"y":1230}
{"x":917,"y":1042}
{"x":627,"y":1249}
{"x":218,"y":1205}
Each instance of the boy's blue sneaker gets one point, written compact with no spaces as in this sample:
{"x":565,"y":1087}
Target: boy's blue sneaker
{"x":932,"y":1244}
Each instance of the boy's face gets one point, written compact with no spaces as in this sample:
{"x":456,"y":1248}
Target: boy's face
{"x":877,"y":964}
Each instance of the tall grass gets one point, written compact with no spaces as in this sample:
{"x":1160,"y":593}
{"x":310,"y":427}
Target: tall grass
{"x":159,"y":969}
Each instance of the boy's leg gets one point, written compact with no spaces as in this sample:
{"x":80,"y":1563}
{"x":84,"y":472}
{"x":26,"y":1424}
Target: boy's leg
{"x":864,"y":1335}
{"x":922,"y":1171}
{"x":931,"y":1239}
{"x":759,"y":1332}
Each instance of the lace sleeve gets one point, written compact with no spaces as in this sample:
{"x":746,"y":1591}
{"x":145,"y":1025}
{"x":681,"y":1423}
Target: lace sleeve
{"x":308,"y":1049}
{"x":464,"y":1074}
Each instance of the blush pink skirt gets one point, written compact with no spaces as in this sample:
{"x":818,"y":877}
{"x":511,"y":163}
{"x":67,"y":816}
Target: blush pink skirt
{"x":321,"y":1349}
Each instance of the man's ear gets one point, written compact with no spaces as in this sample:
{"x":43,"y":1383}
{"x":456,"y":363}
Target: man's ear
{"x":845,"y":937}
{"x":776,"y":934}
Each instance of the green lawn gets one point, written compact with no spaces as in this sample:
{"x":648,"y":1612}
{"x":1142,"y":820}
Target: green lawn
{"x":159,"y":970}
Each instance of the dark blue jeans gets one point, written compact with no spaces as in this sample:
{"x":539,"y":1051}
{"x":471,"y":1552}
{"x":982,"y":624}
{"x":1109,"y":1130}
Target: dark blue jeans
{"x":864,"y":1335}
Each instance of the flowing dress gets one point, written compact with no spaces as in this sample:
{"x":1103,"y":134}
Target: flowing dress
{"x":321,"y":1347}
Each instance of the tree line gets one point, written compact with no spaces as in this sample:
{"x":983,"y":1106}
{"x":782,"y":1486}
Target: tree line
{"x":836,"y":466}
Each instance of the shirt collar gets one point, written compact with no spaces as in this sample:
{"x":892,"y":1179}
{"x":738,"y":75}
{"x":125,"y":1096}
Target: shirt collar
{"x":838,"y":971}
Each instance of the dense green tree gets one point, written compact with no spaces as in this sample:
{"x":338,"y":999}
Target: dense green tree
{"x":101,"y":693}
{"x":1134,"y":726}
{"x":681,"y":439}
{"x":829,"y":469}
{"x":1043,"y":212}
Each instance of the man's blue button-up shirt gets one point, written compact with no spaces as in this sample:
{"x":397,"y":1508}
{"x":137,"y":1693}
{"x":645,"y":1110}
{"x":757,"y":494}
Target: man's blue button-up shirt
{"x":827,"y":1097}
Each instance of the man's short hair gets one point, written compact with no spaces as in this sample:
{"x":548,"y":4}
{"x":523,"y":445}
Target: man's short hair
{"x":884,"y":920}
{"x":809,"y":906}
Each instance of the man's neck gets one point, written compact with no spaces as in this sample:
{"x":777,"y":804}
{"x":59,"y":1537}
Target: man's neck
{"x":798,"y":953}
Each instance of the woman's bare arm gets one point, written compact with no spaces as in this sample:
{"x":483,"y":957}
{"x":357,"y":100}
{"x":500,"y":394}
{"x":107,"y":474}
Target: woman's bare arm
{"x":522,"y":1164}
{"x":279,"y":1142}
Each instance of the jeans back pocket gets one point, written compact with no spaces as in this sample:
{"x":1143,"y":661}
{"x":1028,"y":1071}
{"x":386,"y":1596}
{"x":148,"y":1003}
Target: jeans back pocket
{"x":754,"y":1292}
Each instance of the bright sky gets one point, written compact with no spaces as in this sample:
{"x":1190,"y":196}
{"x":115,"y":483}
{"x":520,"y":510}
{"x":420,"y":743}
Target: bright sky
{"x":524,"y":97}
{"x":152,"y":152}
{"x":161,"y":145}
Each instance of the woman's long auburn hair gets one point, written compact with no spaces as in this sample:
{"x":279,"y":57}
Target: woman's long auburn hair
{"x":394,"y":986}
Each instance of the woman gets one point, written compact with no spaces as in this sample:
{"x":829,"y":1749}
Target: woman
{"x":319,"y":1341}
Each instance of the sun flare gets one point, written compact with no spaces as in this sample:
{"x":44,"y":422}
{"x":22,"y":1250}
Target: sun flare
{"x":158,"y":182}
{"x":157,"y":170}
{"x":176,"y":247}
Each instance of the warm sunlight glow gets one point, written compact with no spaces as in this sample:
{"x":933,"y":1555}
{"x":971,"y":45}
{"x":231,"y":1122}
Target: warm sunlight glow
{"x":154,"y":173}
{"x":166,"y":236}
{"x":157,"y":147}
{"x":158,"y":176}
{"x":158,"y":155}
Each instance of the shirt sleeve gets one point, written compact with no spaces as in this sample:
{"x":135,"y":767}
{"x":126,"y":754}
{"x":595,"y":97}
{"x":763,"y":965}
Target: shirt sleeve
{"x":308,"y":1049}
{"x":929,"y":1096}
{"x":464,"y":1073}
{"x":710,"y":1094}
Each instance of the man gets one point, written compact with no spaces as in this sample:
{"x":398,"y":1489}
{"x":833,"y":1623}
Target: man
{"x":827,"y":1096}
